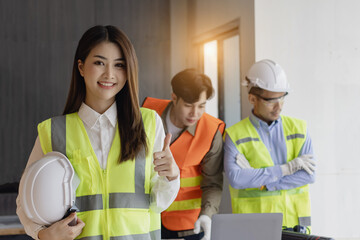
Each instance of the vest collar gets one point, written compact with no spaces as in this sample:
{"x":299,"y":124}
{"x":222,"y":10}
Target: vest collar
{"x":191,"y":129}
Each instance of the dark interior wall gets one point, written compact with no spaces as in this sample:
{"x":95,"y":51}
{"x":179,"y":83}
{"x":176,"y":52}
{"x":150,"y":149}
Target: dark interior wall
{"x":37,"y":45}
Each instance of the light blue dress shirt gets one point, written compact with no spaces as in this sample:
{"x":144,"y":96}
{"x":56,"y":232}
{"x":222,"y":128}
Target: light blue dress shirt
{"x":273,"y":138}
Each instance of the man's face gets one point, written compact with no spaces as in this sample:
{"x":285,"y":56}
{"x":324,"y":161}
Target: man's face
{"x":185,"y":114}
{"x":267,"y":105}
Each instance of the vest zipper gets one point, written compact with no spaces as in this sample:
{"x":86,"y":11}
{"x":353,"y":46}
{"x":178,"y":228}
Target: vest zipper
{"x":106,"y":203}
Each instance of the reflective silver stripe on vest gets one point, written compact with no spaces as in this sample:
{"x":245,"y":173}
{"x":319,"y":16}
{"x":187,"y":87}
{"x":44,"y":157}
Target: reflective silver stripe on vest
{"x":305,"y":221}
{"x":155,"y":235}
{"x":129,"y":200}
{"x":58,"y":134}
{"x":296,"y":135}
{"x":133,"y":200}
{"x":145,"y":236}
{"x":255,"y":193}
{"x":92,"y":238}
{"x":248,"y":139}
{"x":90,"y":202}
{"x":140,"y":172}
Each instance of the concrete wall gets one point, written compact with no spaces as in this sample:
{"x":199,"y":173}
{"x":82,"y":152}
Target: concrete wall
{"x":191,"y":19}
{"x":37,"y":46}
{"x":317,"y":43}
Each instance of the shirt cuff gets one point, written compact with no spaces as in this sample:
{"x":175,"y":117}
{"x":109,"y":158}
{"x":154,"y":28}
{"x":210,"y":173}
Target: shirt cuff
{"x":163,"y":193}
{"x":36,"y":232}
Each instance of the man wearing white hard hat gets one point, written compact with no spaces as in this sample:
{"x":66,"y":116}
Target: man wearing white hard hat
{"x":269,"y":157}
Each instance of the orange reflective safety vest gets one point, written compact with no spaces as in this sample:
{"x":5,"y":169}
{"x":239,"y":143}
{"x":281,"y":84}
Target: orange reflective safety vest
{"x":188,"y":152}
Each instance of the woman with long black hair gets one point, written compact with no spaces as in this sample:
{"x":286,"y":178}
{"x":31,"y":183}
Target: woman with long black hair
{"x":117,"y":149}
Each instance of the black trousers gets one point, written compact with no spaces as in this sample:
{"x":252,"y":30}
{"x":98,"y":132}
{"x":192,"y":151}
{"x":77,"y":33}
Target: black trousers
{"x":186,"y":234}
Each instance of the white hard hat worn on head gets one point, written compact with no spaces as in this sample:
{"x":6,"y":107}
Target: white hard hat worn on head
{"x":47,"y":190}
{"x":267,"y":74}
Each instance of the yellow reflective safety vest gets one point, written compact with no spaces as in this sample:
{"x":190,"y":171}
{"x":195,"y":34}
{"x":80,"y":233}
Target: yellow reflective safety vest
{"x":114,"y":203}
{"x":293,"y":203}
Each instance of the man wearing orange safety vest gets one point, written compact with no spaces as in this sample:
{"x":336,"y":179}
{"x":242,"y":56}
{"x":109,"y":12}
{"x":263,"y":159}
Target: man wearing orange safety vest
{"x":197,"y":148}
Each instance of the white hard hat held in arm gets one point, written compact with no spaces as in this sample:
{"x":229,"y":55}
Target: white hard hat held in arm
{"x":48,"y":189}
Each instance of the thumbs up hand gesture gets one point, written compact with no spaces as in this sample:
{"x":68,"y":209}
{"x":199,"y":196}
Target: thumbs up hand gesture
{"x":164,"y":162}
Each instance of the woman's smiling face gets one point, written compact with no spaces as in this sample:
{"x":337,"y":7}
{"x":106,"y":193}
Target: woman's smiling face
{"x":104,"y":73}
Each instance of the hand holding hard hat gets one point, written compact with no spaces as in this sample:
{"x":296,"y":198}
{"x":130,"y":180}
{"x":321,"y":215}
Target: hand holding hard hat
{"x":48,"y":189}
{"x":164,"y":161}
{"x":62,"y":230}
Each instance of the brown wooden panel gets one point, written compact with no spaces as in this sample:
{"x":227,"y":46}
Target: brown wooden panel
{"x":12,"y":231}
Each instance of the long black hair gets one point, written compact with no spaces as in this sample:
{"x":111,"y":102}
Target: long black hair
{"x":131,"y":129}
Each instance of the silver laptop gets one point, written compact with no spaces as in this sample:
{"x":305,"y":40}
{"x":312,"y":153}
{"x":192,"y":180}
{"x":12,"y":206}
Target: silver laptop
{"x":252,"y":226}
